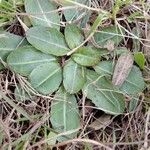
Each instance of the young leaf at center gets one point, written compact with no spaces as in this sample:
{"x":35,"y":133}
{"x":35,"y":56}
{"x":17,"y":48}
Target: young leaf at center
{"x":73,"y":77}
{"x":86,"y":56}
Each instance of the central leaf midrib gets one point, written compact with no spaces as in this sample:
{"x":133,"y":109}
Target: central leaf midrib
{"x":117,"y":101}
{"x":105,"y":39}
{"x":104,"y":70}
{"x":105,"y":90}
{"x":82,"y":55}
{"x":59,"y":46}
{"x":64,"y":111}
{"x":108,"y":98}
{"x":6,"y":49}
{"x":132,"y":83}
{"x":44,"y":80}
{"x":74,"y":76}
{"x":43,"y":13}
{"x":32,"y":62}
{"x":109,"y":90}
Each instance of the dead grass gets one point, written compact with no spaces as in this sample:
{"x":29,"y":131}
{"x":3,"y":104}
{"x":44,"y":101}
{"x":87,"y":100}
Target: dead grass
{"x":130,"y":131}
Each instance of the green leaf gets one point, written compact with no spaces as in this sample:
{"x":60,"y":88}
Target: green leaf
{"x":46,"y":78}
{"x":65,"y":114}
{"x":73,"y":77}
{"x":8,"y":43}
{"x":103,"y":94}
{"x":73,"y":36}
{"x":139,"y":59}
{"x":38,"y":10}
{"x":108,"y":34}
{"x":86,"y":56}
{"x":24,"y":42}
{"x":47,"y":40}
{"x":104,"y":68}
{"x":24,"y":60}
{"x":134,"y":83}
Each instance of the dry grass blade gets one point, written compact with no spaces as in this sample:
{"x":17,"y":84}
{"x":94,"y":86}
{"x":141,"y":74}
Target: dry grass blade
{"x":85,"y":141}
{"x":18,"y":108}
{"x":122,"y":69}
{"x":22,"y":24}
{"x":147,"y":46}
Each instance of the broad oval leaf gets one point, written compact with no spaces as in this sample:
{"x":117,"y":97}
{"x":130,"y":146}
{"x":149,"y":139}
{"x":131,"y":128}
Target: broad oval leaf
{"x":47,"y":40}
{"x":86,"y":56}
{"x":122,"y":69}
{"x":134,"y":83}
{"x":46,"y":78}
{"x":103,"y":94}
{"x":40,"y":15}
{"x":23,"y":60}
{"x":108,"y":34}
{"x":65,"y":114}
{"x":73,"y":77}
{"x":104,"y":68}
{"x":8,"y":43}
{"x":73,"y":36}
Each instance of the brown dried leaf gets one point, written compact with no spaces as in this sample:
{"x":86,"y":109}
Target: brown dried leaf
{"x":101,"y":122}
{"x":122,"y":69}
